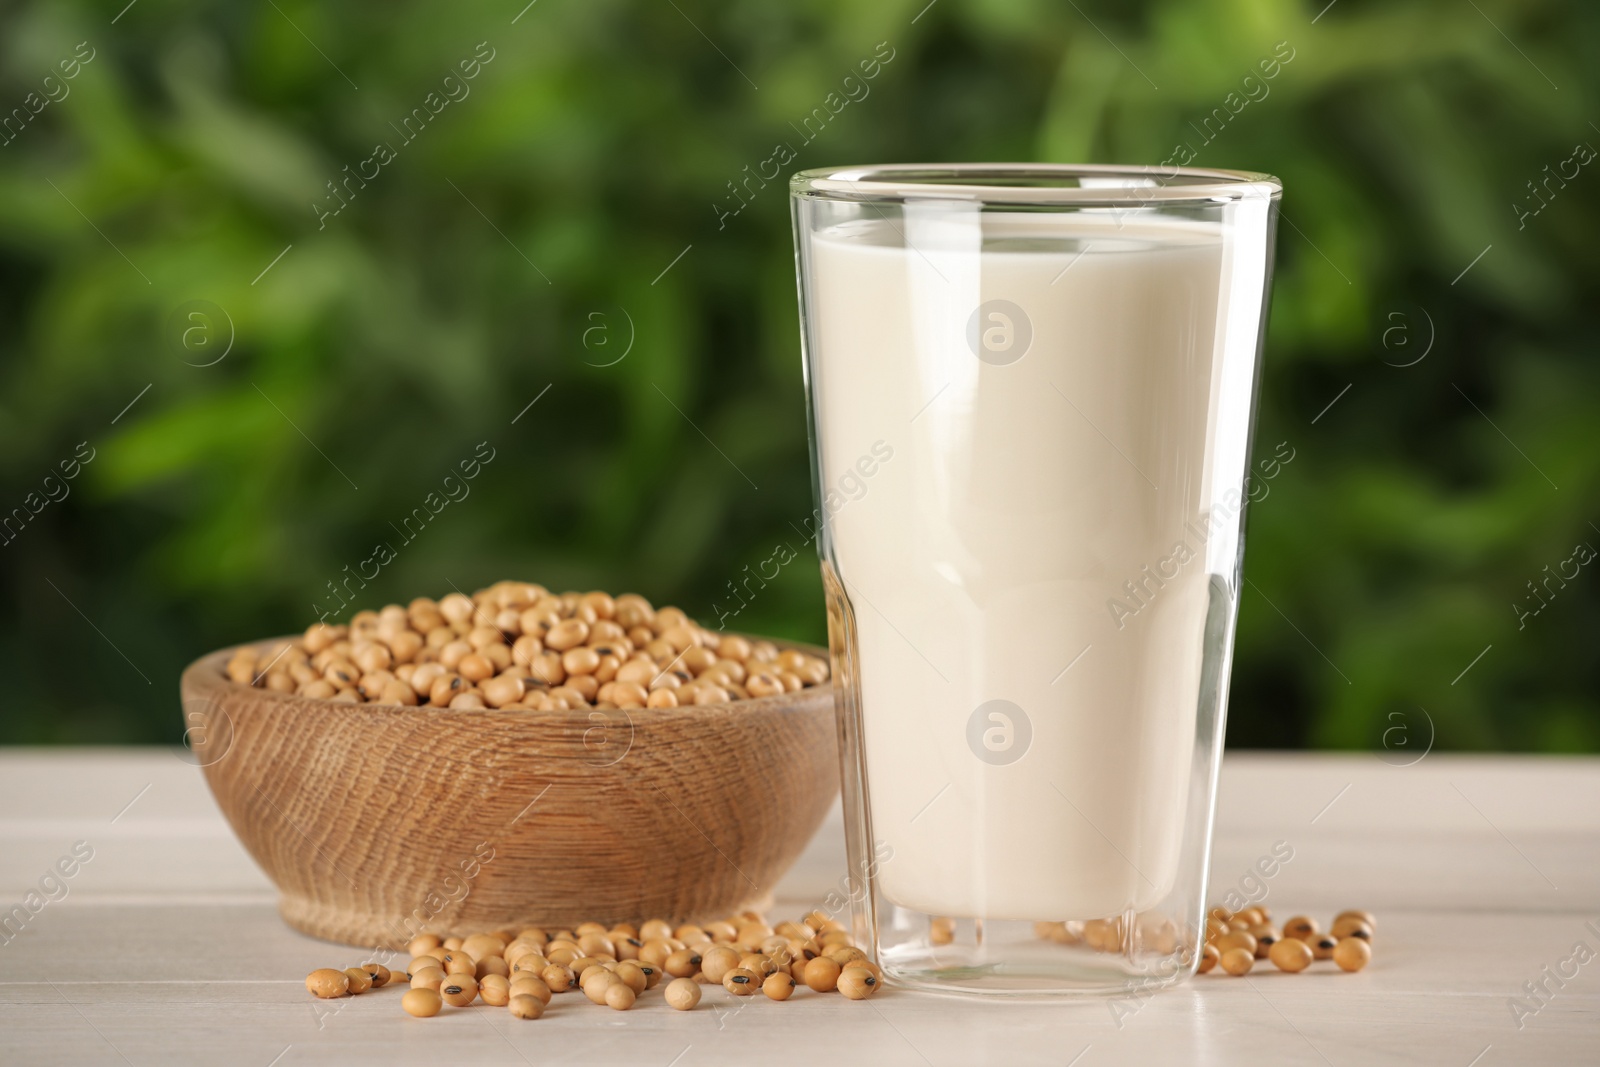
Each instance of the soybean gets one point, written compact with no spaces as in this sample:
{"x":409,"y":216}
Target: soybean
{"x":857,"y":983}
{"x":1290,"y":954}
{"x":423,"y":943}
{"x":1351,"y":926}
{"x":558,"y":978}
{"x":683,"y":993}
{"x":327,"y":983}
{"x":1236,"y":939}
{"x":1352,"y":954}
{"x":1238,"y":961}
{"x":741,"y":982}
{"x":598,"y":985}
{"x":423,"y":1003}
{"x":620,"y":996}
{"x":459,"y":990}
{"x":532,"y":986}
{"x":526,"y":1007}
{"x":682,"y":963}
{"x":822,"y":974}
{"x":494,"y":990}
{"x":633,"y":976}
{"x":1357,"y":913}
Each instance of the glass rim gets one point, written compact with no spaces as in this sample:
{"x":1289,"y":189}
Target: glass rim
{"x":1044,"y":184}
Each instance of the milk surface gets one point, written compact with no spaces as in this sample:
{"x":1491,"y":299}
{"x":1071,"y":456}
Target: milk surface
{"x":984,"y":559}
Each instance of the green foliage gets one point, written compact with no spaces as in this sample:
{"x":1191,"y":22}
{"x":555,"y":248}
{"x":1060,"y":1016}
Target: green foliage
{"x":524,"y":237}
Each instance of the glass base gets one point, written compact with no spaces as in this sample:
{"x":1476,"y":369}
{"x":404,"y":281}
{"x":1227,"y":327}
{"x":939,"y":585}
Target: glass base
{"x":968,"y":957}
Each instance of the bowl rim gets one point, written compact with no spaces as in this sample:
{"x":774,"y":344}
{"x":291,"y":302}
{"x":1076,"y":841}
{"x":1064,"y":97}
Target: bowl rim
{"x":207,"y":671}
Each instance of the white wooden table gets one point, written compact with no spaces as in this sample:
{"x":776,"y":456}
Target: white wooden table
{"x":166,"y":947}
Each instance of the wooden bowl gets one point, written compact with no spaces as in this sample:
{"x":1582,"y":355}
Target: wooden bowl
{"x":378,"y":823}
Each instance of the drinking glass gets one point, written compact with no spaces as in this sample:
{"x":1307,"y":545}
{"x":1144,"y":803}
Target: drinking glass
{"x":1031,"y":391}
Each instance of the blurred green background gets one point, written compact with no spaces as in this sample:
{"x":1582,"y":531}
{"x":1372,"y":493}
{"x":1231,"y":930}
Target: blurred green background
{"x":571,"y":204}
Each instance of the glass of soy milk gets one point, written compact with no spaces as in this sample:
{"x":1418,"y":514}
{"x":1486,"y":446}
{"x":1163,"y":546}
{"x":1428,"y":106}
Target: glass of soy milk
{"x":1031,"y":395}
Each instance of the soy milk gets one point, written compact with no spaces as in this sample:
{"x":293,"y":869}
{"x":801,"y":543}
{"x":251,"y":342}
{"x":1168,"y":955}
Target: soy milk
{"x":1049,"y":386}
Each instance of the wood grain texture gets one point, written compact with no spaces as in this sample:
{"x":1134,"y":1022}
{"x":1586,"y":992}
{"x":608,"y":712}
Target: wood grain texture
{"x":377,"y":823}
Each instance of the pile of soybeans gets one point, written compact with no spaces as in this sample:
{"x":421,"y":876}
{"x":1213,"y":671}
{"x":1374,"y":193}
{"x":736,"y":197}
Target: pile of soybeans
{"x":517,"y":646}
{"x":524,"y":970}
